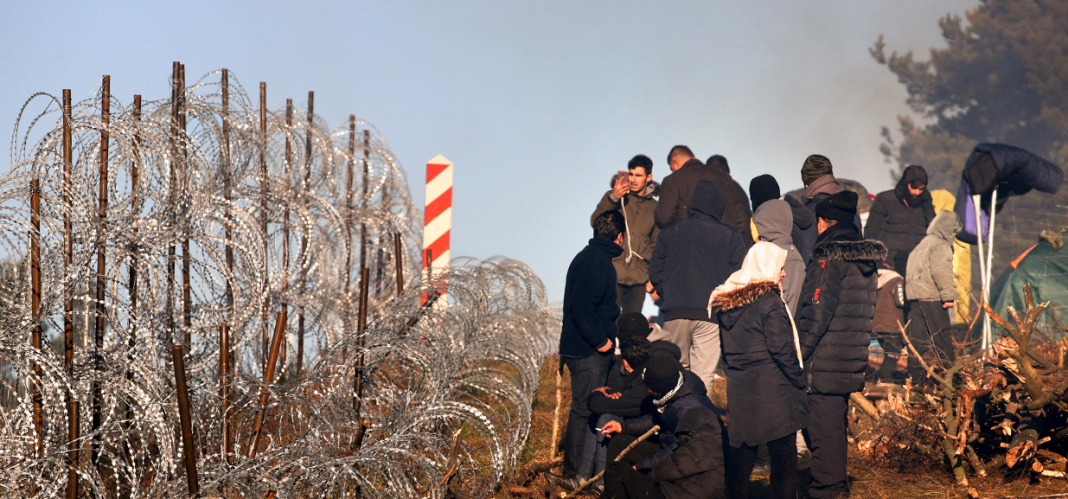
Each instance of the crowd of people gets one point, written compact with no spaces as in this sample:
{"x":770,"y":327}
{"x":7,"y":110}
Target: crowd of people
{"x":779,"y":296}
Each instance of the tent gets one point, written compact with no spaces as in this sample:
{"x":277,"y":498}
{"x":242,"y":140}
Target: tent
{"x":1046,"y":269}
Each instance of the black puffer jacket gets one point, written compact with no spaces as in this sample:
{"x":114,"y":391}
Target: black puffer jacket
{"x":695,"y":468}
{"x":691,"y":395}
{"x":834,"y":318}
{"x":677,"y":188}
{"x":765,"y":383}
{"x":899,"y":219}
{"x":694,"y":255}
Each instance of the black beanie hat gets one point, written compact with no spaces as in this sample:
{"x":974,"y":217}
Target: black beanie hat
{"x":815,"y":167}
{"x":763,"y":188}
{"x":633,"y":325}
{"x":841,"y":207}
{"x":661,"y":373}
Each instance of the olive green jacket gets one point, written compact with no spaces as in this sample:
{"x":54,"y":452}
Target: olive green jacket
{"x":632,"y":267}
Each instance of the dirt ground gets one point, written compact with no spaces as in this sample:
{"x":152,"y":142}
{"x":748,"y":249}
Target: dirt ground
{"x":867,"y":479}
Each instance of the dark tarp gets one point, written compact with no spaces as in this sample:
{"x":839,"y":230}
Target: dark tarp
{"x":1013,"y":171}
{"x":1047,"y":271}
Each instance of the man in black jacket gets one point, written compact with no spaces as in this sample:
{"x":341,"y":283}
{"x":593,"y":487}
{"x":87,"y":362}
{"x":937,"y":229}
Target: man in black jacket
{"x":899,"y":217}
{"x":692,"y":257}
{"x":686,"y":462}
{"x":589,"y":326}
{"x":677,"y":188}
{"x":834,"y":327}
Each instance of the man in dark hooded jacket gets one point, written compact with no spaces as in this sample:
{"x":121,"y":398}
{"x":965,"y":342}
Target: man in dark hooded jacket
{"x":677,"y":188}
{"x":687,"y":460}
{"x":899,"y":217}
{"x":817,"y":174}
{"x":834,"y":324}
{"x":692,"y":257}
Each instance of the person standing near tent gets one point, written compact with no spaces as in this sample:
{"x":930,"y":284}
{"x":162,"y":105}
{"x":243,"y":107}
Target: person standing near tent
{"x":930,"y":290}
{"x":899,"y":217}
{"x":834,"y":327}
{"x":633,"y":194}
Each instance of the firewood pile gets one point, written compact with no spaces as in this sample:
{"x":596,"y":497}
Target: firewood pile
{"x":1001,"y":411}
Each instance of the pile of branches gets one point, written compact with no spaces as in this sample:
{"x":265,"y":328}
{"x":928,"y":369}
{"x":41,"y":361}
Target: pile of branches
{"x":1004,"y":410}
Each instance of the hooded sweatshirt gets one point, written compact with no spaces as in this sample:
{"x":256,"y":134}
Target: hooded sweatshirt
{"x":694,"y":255}
{"x":930,"y":266}
{"x":899,"y":219}
{"x":775,"y":221}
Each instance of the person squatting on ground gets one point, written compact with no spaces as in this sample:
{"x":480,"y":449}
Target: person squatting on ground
{"x":677,"y":189}
{"x":834,"y":322}
{"x":931,"y":292}
{"x":686,"y":462}
{"x":633,"y":194}
{"x":889,"y":315}
{"x":765,"y":380}
{"x":899,"y":217}
{"x":626,"y":398}
{"x":692,"y":257}
{"x":764,"y":188}
{"x":817,"y":174}
{"x":589,"y":324}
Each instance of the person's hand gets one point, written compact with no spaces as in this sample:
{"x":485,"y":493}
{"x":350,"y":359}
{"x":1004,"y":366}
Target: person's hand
{"x":622,"y":185}
{"x":648,"y":287}
{"x":603,"y":390}
{"x":613,"y":395}
{"x":947,"y":304}
{"x":611,"y":428}
{"x":606,"y":347}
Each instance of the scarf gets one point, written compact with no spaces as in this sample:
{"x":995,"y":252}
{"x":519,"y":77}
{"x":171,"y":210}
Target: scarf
{"x":661,"y":403}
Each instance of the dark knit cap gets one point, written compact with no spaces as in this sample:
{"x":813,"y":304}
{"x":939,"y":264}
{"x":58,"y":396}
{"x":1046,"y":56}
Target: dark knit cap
{"x":633,"y":325}
{"x":841,"y":207}
{"x":763,"y":188}
{"x":815,"y":167}
{"x":661,"y":373}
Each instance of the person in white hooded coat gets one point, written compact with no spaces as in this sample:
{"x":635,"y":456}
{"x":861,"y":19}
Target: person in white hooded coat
{"x":766,"y":401}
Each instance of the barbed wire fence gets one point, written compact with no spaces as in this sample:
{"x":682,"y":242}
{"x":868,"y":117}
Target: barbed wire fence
{"x":202,"y":295}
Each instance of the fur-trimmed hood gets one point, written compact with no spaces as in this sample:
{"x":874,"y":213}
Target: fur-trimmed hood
{"x":742,"y":296}
{"x":865,"y":250}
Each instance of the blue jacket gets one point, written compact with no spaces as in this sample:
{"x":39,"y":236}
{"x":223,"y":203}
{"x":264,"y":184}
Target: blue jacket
{"x":1014,"y":172}
{"x":590,"y":308}
{"x":694,"y":255}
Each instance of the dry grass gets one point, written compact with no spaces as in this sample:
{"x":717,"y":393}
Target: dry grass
{"x":867,"y":480}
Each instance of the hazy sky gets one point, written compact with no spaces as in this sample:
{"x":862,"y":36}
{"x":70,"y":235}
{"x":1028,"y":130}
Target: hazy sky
{"x":536,"y":103}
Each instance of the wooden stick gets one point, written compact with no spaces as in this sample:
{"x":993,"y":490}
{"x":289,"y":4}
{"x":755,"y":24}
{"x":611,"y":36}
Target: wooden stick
{"x":556,"y":412}
{"x":598,"y":476}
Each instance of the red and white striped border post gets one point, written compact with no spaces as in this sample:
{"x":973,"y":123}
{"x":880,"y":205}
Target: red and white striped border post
{"x":437,"y":218}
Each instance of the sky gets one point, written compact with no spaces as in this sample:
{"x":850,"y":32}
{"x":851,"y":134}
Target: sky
{"x":535,"y":103}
